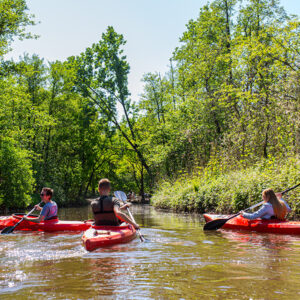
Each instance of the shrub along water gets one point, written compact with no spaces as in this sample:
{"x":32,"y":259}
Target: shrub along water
{"x":231,"y":191}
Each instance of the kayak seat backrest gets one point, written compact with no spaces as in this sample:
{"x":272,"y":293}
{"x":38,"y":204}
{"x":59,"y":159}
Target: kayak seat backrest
{"x":52,"y":218}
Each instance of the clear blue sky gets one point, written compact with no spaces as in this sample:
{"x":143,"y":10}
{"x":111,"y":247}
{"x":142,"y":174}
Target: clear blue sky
{"x":152,"y":29}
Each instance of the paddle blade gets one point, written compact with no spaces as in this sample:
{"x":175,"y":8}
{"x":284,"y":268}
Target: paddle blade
{"x":215,"y":224}
{"x":142,"y":238}
{"x":8,"y":230}
{"x":121,"y":195}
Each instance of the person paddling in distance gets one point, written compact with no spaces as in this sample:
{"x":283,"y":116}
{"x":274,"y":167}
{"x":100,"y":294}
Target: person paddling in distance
{"x":49,"y":210}
{"x":274,"y":207}
{"x":107,"y":209}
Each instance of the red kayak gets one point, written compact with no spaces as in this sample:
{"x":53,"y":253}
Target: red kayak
{"x":259,"y":225}
{"x":102,"y":236}
{"x":48,"y":226}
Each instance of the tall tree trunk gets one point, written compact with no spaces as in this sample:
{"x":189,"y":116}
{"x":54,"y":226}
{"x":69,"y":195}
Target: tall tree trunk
{"x":266,"y":141}
{"x":142,"y":191}
{"x":115,"y":121}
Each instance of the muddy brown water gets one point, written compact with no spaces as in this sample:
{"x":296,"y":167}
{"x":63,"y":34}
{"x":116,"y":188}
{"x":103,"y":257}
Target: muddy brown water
{"x":179,"y":261}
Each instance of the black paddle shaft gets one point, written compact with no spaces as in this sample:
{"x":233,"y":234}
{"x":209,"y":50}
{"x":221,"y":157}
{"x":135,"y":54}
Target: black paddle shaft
{"x":10,"y":229}
{"x":289,"y":189}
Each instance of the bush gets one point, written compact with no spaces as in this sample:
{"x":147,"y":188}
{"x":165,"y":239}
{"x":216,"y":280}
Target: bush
{"x":232,"y":191}
{"x":16,"y":176}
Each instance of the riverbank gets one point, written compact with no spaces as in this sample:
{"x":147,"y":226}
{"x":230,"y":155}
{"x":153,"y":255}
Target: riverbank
{"x":230,"y":191}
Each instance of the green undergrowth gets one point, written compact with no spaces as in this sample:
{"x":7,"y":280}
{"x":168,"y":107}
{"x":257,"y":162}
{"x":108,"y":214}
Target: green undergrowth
{"x":230,"y":191}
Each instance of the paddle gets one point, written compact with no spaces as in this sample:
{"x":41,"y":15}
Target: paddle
{"x":289,"y":189}
{"x":122,"y":196}
{"x":10,"y":229}
{"x":216,"y":224}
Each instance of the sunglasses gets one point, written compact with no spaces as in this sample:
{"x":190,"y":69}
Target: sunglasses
{"x":43,"y":194}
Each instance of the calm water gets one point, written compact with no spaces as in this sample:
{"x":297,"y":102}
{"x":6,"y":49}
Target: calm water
{"x":179,"y":261}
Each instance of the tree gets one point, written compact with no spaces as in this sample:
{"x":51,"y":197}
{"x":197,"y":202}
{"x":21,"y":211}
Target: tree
{"x":16,"y":176}
{"x":102,"y":76}
{"x":13,"y":20}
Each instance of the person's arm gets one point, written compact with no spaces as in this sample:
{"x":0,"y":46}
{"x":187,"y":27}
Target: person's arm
{"x":38,"y":219}
{"x":258,"y":214}
{"x":125,"y":206}
{"x":35,"y":220}
{"x":43,"y":214}
{"x":279,"y":196}
{"x":124,"y":217}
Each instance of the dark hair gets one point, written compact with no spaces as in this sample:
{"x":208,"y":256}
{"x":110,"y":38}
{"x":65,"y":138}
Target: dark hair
{"x":104,"y":184}
{"x":48,"y":191}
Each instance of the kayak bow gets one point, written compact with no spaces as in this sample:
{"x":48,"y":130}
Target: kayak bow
{"x":48,"y":226}
{"x":103,"y":236}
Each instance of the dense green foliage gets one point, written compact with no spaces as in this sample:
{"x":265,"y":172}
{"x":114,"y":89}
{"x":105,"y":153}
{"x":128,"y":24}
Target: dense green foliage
{"x":231,"y":191}
{"x":16,"y":174}
{"x":234,"y":93}
{"x":13,"y":20}
{"x":211,"y":133}
{"x":230,"y":104}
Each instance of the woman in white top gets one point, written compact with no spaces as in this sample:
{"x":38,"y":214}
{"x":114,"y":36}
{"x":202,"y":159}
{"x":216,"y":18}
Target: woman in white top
{"x":274,"y":206}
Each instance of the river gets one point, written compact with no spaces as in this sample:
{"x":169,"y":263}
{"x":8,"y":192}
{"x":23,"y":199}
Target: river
{"x":178,"y":261}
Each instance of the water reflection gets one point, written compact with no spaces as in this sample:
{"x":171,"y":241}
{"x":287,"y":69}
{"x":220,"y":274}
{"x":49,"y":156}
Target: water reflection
{"x":266,"y":240}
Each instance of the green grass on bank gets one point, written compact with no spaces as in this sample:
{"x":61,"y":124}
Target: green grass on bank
{"x":230,"y":191}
